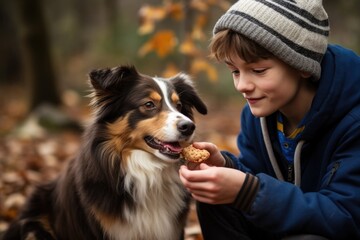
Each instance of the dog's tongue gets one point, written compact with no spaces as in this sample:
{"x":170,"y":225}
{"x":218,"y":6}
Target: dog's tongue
{"x":173,"y":146}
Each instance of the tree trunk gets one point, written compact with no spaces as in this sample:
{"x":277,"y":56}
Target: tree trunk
{"x":112,"y":15}
{"x":37,"y":54}
{"x":10,"y":61}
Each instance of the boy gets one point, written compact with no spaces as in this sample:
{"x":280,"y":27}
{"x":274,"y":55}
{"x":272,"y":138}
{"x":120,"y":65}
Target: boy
{"x":298,"y":172}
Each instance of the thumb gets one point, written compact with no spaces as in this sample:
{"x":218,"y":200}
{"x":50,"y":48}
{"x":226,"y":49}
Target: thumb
{"x":204,"y":166}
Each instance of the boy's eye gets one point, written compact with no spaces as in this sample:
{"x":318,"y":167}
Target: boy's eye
{"x":259,"y":70}
{"x":235,"y":72}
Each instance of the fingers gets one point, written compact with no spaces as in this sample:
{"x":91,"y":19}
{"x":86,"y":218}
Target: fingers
{"x":204,"y":166}
{"x":197,"y":181}
{"x":187,"y":176}
{"x":191,"y":180}
{"x":205,"y":145}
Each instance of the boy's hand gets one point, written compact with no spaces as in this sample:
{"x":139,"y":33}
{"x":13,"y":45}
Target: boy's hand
{"x":215,"y":158}
{"x":211,"y":184}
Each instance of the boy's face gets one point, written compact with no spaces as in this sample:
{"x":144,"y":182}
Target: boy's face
{"x":269,"y":85}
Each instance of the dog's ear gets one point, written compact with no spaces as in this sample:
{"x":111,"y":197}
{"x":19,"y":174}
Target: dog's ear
{"x":109,"y":90}
{"x":188,"y":95}
{"x":108,"y":79}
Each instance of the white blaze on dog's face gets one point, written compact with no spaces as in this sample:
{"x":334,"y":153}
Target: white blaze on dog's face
{"x":169,"y":128}
{"x":145,"y":113}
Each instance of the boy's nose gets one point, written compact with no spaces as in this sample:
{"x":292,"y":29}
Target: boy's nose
{"x":243,"y":84}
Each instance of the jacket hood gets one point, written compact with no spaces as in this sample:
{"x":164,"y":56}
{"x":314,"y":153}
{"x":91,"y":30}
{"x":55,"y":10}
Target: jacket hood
{"x":338,"y":90}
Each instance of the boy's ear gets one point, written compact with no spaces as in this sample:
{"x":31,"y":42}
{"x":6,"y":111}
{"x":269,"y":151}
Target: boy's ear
{"x":305,"y":74}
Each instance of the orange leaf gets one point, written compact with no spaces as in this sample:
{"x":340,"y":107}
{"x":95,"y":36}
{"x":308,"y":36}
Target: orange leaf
{"x":162,"y":43}
{"x":176,"y":11}
{"x":199,"y":65}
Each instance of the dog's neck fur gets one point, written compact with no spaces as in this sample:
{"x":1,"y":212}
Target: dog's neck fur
{"x":156,"y":189}
{"x":149,"y":174}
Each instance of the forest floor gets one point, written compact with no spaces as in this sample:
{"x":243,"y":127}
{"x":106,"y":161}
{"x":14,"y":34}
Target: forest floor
{"x":30,"y":154}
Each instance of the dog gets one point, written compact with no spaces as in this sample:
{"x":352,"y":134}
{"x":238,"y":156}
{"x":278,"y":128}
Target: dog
{"x":124,"y":182}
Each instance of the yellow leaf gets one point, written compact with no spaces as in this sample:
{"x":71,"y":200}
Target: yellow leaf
{"x":199,"y":5}
{"x":147,"y":26}
{"x":197,"y":32}
{"x":188,"y":47}
{"x":154,"y":13}
{"x":199,"y":65}
{"x":162,"y":43}
{"x":148,"y":15}
{"x":170,"y":70}
{"x":224,"y":4}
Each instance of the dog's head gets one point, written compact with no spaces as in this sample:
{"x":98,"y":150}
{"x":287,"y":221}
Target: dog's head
{"x":147,"y":113}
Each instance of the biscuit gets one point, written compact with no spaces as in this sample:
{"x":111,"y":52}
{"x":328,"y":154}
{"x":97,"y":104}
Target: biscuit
{"x":192,"y":154}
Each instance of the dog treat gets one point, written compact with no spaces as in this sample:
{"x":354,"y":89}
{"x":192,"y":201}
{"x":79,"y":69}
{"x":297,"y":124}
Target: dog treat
{"x":192,"y":154}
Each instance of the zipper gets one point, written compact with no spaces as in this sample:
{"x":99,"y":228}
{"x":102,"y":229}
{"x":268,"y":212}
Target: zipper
{"x":332,"y":172}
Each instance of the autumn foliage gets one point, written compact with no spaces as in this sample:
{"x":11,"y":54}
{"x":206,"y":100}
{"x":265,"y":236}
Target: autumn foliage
{"x":193,"y":16}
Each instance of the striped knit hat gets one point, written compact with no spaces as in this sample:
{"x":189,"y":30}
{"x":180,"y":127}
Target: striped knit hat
{"x":295,"y":31}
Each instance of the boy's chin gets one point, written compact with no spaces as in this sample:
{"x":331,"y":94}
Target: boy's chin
{"x":260,"y":114}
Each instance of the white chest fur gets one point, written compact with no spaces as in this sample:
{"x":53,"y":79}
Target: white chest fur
{"x":159,"y":197}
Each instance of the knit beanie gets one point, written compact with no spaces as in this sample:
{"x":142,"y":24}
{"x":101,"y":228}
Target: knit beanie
{"x":295,"y":31}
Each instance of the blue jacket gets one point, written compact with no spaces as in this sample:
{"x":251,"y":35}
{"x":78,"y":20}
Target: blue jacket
{"x":327,"y":202}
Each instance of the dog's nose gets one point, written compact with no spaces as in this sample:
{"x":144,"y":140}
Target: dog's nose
{"x":186,"y":127}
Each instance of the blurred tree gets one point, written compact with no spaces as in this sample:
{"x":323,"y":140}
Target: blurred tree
{"x":38,"y":61}
{"x":112,"y":13}
{"x":344,"y":22}
{"x":84,"y":22}
{"x":10,"y":62}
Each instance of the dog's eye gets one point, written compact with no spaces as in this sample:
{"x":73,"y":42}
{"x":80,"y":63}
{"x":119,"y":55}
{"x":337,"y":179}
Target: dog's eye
{"x":179,"y":106}
{"x":149,"y":105}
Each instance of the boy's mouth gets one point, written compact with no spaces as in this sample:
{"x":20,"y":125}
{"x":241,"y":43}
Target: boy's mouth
{"x":253,"y":100}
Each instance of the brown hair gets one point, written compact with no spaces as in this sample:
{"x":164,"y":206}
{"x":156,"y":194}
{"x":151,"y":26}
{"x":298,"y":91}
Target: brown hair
{"x":227,"y":43}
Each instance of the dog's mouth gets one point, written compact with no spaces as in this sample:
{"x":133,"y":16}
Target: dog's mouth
{"x":170,"y":149}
